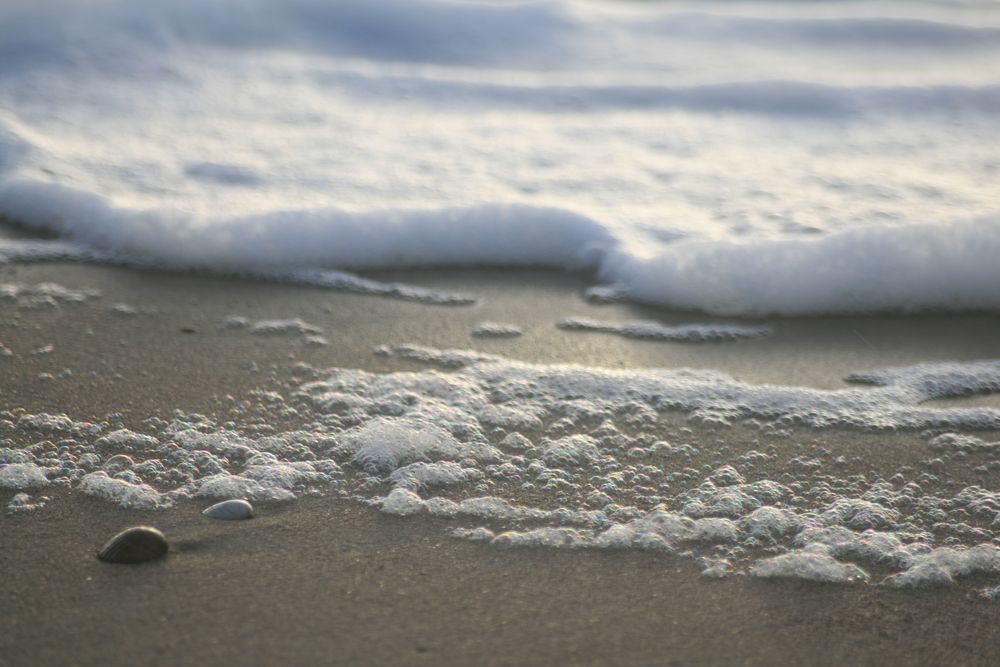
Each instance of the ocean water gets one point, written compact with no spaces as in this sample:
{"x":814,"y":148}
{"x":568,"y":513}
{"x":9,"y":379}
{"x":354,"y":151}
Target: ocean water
{"x":735,"y":158}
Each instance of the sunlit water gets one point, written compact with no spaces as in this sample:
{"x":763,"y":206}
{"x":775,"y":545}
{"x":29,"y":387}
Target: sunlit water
{"x":723,"y":156}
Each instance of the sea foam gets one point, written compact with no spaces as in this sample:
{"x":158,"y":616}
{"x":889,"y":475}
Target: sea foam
{"x":523,"y":455}
{"x":826,"y":151}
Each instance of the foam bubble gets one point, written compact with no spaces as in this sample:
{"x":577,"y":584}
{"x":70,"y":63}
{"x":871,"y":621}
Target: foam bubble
{"x":293,"y":326}
{"x":644,"y":330}
{"x":44,"y":294}
{"x":20,"y":476}
{"x":942,"y":566}
{"x":496,"y":330}
{"x":44,"y":422}
{"x":122,"y":492}
{"x":228,"y":487}
{"x":385,"y":444}
{"x":771,"y":523}
{"x":422,"y":475}
{"x":571,"y":451}
{"x":871,"y":546}
{"x":127,"y":440}
{"x":543,"y":537}
{"x":963,"y":443}
{"x":22,"y":503}
{"x":809,"y":565}
{"x":402,"y":502}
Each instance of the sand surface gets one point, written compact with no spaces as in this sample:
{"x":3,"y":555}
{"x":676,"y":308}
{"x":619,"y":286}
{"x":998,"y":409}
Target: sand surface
{"x":326,"y":581}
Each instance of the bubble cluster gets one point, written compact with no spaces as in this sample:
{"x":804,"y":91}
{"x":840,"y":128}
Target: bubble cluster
{"x":747,"y":479}
{"x":687,"y":333}
{"x":309,"y":333}
{"x":44,"y":295}
{"x":496,"y":330}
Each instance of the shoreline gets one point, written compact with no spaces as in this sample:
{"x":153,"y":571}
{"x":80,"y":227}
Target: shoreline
{"x":816,"y":352}
{"x":325,"y":580}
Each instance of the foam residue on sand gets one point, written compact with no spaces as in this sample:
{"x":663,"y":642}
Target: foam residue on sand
{"x":496,"y":330}
{"x":23,"y":503}
{"x":647,"y":330}
{"x":748,"y":479}
{"x":44,"y":295}
{"x":21,"y":476}
{"x":19,"y":250}
{"x":308,"y":333}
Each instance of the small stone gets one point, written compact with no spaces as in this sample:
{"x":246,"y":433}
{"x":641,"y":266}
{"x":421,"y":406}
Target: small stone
{"x":135,"y":545}
{"x":230,"y":510}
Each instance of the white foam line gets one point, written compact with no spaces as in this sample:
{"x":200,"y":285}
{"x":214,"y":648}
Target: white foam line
{"x":892,"y":403}
{"x":648,"y":330}
{"x":23,"y":251}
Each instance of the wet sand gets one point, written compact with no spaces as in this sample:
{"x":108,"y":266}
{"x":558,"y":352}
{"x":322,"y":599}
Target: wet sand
{"x":322,"y":581}
{"x":326,"y":581}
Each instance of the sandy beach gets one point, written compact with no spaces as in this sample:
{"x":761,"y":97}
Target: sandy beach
{"x":493,"y":332}
{"x":323,"y":580}
{"x":327,"y":582}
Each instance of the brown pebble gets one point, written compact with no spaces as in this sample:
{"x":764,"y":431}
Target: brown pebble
{"x":135,"y":545}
